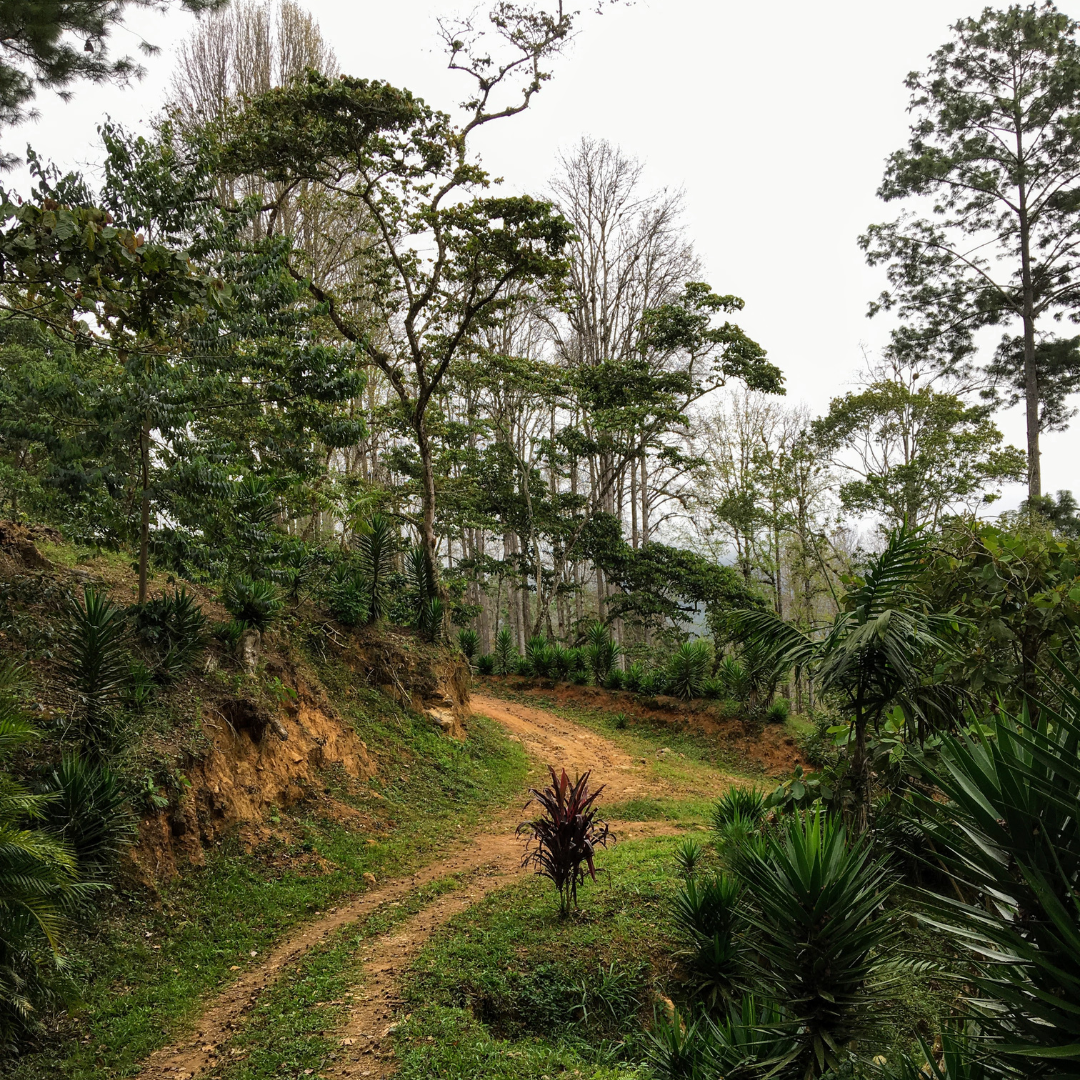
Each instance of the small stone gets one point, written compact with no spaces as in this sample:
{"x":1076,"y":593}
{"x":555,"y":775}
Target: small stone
{"x":369,"y":878}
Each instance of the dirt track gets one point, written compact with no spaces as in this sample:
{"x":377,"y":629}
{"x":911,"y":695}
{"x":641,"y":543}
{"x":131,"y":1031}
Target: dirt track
{"x":491,"y":858}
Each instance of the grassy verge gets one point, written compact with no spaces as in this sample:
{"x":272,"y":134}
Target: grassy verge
{"x":147,"y":963}
{"x":509,"y":991}
{"x":293,"y":1028}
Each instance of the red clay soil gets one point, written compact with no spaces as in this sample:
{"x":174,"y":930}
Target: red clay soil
{"x":492,"y":859}
{"x":770,"y":748}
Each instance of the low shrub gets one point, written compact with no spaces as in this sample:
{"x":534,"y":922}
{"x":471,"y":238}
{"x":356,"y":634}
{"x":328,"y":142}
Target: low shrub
{"x":688,"y":669}
{"x":485,"y":664}
{"x":468,"y":642}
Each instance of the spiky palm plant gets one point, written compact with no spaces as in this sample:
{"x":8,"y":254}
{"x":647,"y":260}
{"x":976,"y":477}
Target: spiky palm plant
{"x":1010,"y":839}
{"x":505,"y":653}
{"x":375,"y":546}
{"x":878,"y":652}
{"x":820,"y":933}
{"x":468,"y":642}
{"x":94,"y":661}
{"x":708,"y":918}
{"x":37,"y":878}
{"x":688,"y":669}
{"x":600,"y":652}
{"x":251,"y":602}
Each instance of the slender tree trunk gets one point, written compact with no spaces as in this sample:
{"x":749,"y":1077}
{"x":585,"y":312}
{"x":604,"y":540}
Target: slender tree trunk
{"x":428,"y":538}
{"x":1031,"y":377}
{"x":144,"y":509}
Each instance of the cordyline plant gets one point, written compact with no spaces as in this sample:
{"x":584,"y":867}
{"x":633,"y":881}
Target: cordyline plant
{"x":563,"y":841}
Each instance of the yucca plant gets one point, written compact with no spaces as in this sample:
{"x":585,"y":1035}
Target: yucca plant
{"x":1010,"y":838}
{"x":431,"y":618}
{"x":375,"y":546}
{"x":468,"y":642}
{"x":614,"y":680}
{"x":563,"y":661}
{"x":485,"y":664}
{"x":538,"y":656}
{"x":88,"y":808}
{"x":172,"y":630}
{"x":254,"y":603}
{"x":633,"y":677}
{"x":748,"y":1042}
{"x":688,"y":668}
{"x":821,"y":936}
{"x":600,"y":652}
{"x":561,"y":844}
{"x":707,"y":913}
{"x":505,"y":653}
{"x":429,"y":609}
{"x":732,"y":676}
{"x":713,"y":689}
{"x":94,"y":661}
{"x":745,"y":803}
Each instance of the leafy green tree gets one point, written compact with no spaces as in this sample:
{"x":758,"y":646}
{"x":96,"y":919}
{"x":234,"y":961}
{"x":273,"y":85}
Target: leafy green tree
{"x":406,"y":172}
{"x":1057,"y":370}
{"x":49,"y":44}
{"x":914,"y":453}
{"x":995,"y":144}
{"x":1015,"y":591}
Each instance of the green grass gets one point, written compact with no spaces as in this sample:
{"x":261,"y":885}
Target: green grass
{"x":508,"y":989}
{"x":293,"y":1026}
{"x":146,"y":965}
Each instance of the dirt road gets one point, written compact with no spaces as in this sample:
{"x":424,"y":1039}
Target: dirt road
{"x":491,"y":860}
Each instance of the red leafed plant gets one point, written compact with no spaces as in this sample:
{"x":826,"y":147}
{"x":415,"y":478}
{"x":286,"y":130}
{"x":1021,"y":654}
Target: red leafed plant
{"x":562,"y":842}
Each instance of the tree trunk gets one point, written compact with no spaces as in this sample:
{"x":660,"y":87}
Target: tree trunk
{"x":144,"y":509}
{"x":1031,"y":377}
{"x":428,"y":539}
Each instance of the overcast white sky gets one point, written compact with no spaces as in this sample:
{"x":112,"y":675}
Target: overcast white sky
{"x":774,"y":118}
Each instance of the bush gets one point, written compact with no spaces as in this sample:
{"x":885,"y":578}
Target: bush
{"x":347,"y":596}
{"x":88,"y":809}
{"x":633,"y":677}
{"x":563,"y":841}
{"x":778,"y":711}
{"x":540,"y":657}
{"x":254,"y":603}
{"x":485,"y":665}
{"x":734,"y":679}
{"x":687,"y":669}
{"x":173,"y":631}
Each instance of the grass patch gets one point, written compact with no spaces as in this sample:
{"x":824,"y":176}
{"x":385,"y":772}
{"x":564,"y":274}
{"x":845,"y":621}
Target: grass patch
{"x":508,"y":989}
{"x":146,"y":967}
{"x":294,"y":1025}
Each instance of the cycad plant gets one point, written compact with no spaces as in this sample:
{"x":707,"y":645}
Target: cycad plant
{"x":429,"y":610}
{"x":878,"y":652}
{"x":1010,"y":838}
{"x":821,"y":935}
{"x":688,"y":669}
{"x":375,"y":545}
{"x":172,"y":629}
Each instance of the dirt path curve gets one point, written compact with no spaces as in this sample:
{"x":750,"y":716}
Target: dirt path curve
{"x":492,"y":858}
